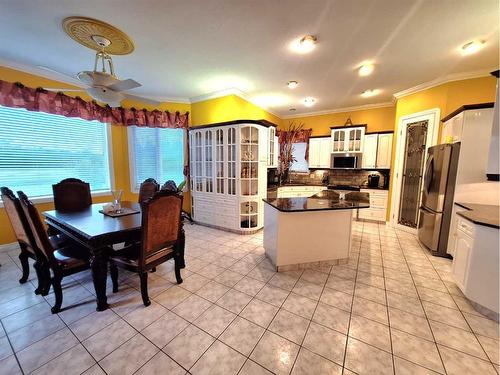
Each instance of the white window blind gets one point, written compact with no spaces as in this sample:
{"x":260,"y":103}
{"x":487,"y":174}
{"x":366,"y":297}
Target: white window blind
{"x":156,"y":153}
{"x":38,"y":149}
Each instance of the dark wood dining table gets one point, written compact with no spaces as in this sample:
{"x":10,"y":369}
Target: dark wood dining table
{"x":98,"y":233}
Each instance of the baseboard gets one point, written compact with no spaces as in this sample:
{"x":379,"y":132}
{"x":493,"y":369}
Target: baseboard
{"x":8,"y":246}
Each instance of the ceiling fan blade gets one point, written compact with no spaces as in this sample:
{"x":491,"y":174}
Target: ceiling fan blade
{"x":63,"y":90}
{"x":141,"y":99}
{"x":124,"y":85}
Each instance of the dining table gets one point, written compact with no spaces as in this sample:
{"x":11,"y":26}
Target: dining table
{"x":98,"y":233}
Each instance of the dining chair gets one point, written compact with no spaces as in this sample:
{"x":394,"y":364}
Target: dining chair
{"x":162,"y":238}
{"x":24,"y":238}
{"x":62,"y":261}
{"x":71,"y":195}
{"x":147,"y":189}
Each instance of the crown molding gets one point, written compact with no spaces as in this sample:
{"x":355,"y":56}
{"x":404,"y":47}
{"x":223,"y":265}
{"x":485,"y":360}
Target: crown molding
{"x":340,"y":110}
{"x":442,"y":80}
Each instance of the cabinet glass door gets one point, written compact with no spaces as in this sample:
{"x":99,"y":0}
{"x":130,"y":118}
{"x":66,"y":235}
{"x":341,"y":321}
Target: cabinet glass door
{"x":209,"y":176}
{"x":338,"y":140}
{"x":231,"y":161}
{"x":249,"y":156}
{"x":219,"y":161}
{"x":198,"y":162}
{"x":272,"y":133}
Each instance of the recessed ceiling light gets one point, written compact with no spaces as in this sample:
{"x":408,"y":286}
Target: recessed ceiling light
{"x":366,"y":70}
{"x":304,"y":45}
{"x":309,"y":102}
{"x":472,"y":47}
{"x":370,"y":93}
{"x":292,"y":84}
{"x":292,"y":109}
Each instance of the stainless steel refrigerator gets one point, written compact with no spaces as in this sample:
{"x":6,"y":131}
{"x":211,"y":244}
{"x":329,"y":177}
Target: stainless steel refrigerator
{"x":437,"y":197}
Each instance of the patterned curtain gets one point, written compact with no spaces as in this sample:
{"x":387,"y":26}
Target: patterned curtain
{"x":18,"y":96}
{"x":298,"y":136}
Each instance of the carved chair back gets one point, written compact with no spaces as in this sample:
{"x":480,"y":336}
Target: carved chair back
{"x":40,"y":235}
{"x":71,"y":195}
{"x":18,"y":219}
{"x":147,"y":189}
{"x":161,"y":226}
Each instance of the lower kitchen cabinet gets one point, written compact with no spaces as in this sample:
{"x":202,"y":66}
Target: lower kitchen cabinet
{"x":378,"y":205}
{"x":299,"y":191}
{"x":475,"y":263}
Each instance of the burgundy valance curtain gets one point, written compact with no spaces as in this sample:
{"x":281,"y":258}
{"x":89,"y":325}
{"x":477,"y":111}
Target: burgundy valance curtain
{"x":294,"y":136}
{"x":18,"y":96}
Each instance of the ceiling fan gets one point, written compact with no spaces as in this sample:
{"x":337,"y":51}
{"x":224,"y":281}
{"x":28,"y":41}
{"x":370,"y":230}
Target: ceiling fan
{"x":101,"y":83}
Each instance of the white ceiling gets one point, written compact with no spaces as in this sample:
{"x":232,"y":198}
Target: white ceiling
{"x":188,"y":48}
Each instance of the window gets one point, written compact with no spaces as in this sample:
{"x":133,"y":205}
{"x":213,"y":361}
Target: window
{"x":299,"y":154}
{"x":156,"y":153}
{"x":38,"y":149}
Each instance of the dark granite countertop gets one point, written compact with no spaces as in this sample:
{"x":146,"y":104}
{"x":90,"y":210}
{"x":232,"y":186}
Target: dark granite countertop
{"x":482,"y":214}
{"x":326,"y":200}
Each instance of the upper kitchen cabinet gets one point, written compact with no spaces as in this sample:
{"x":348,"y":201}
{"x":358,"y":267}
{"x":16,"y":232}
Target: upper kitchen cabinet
{"x":273,"y":148}
{"x":347,"y":139}
{"x":369,"y":159}
{"x":377,"y":150}
{"x":384,"y":150}
{"x":319,"y":152}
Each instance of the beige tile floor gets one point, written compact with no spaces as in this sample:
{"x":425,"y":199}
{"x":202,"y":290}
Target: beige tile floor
{"x":393,"y":309}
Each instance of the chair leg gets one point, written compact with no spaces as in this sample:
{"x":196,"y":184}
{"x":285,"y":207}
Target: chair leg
{"x":177,"y":270}
{"x":46,"y":280}
{"x":40,"y":277}
{"x":144,"y":288}
{"x":113,"y":270}
{"x":23,"y":257}
{"x":56,"y":284}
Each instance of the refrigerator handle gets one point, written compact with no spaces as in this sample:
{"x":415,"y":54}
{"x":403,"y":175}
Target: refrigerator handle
{"x":429,"y":173}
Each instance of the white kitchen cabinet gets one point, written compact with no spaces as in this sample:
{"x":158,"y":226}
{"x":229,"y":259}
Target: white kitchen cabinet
{"x":463,"y":246}
{"x":475,"y":263}
{"x":273,"y":148}
{"x":347,"y":139}
{"x":378,"y":205}
{"x":384,"y":150}
{"x":319,"y":152}
{"x":369,"y":159}
{"x":229,"y":175}
{"x":298,"y":191}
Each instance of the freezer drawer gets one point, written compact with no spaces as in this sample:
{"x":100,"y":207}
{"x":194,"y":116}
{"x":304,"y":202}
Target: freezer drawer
{"x":429,"y":228}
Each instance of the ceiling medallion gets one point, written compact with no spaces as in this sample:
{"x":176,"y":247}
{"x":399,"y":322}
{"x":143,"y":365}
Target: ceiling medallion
{"x":85,"y":31}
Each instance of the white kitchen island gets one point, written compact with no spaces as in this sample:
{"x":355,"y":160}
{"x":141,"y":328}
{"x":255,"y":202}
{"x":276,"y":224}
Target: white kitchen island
{"x":300,"y":232}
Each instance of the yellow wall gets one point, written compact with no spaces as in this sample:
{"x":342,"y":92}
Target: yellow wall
{"x":228,"y":108}
{"x":118,"y":137}
{"x":377,"y":119}
{"x":447,"y":97}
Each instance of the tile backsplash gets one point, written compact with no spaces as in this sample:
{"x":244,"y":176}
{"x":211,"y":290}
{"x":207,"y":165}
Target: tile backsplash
{"x":339,"y":177}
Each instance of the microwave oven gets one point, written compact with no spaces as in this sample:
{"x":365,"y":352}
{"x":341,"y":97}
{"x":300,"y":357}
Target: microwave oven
{"x":346,"y":161}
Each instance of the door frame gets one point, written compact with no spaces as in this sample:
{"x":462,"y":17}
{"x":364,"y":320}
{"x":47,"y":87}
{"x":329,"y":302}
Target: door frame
{"x":433,"y":118}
